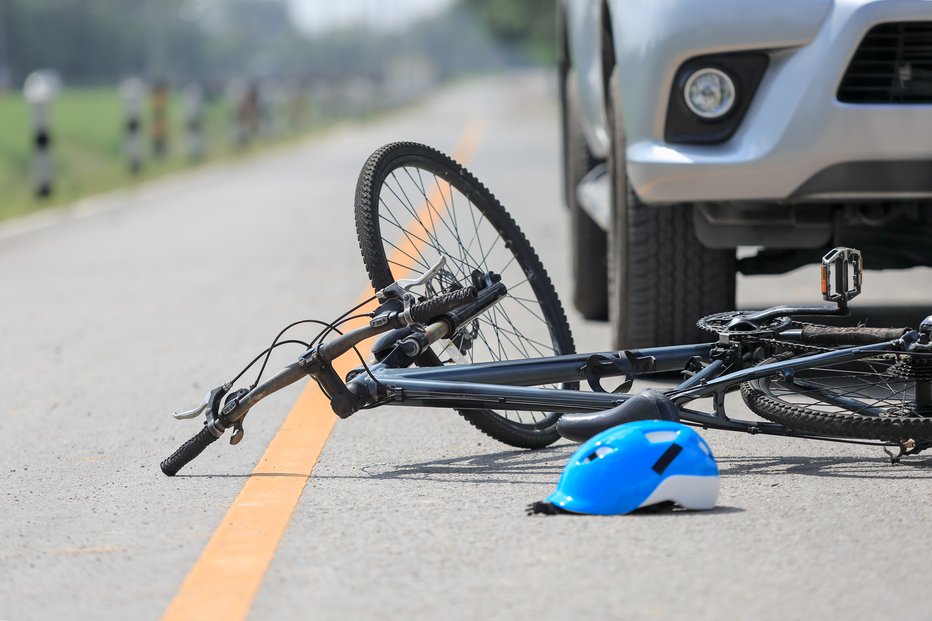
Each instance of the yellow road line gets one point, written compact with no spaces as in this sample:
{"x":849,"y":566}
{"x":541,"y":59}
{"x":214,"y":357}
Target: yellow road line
{"x":223,"y":583}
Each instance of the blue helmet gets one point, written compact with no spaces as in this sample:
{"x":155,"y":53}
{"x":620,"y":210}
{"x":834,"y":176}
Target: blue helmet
{"x":636,"y":465}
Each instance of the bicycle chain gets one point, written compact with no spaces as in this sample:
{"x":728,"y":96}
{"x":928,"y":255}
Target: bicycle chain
{"x":905,"y":366}
{"x":805,"y":348}
{"x":715,"y":324}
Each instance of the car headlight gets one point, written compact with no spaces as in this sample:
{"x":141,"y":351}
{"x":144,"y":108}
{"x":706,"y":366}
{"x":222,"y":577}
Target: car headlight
{"x":709,"y":93}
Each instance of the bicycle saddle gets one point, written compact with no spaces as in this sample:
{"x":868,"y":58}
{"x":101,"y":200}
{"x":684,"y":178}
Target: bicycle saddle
{"x":649,"y":404}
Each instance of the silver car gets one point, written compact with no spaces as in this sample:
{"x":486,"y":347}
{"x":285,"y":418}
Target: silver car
{"x":692,"y":128}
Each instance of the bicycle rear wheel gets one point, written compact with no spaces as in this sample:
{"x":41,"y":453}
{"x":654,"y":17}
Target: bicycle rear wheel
{"x":414,"y":205}
{"x":887,"y":397}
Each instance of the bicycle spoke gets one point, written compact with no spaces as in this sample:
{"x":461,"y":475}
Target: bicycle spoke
{"x":422,"y":217}
{"x":870,"y":392}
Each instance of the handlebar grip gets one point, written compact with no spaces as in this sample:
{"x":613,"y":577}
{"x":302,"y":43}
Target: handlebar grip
{"x":435,"y":307}
{"x":188,"y":451}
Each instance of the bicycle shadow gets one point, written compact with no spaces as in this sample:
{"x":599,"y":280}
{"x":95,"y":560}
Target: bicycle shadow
{"x":523,"y":467}
{"x":910,"y":467}
{"x":545,"y":466}
{"x":247,"y":475}
{"x":517,"y":466}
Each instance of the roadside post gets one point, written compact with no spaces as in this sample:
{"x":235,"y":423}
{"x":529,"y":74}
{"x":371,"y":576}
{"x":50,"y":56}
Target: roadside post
{"x":297,"y":106}
{"x":249,"y":112}
{"x":272,"y":101}
{"x":159,"y":102}
{"x":265,"y":109}
{"x":236,"y":93}
{"x":132,"y":91}
{"x":39,"y":89}
{"x":193,"y":98}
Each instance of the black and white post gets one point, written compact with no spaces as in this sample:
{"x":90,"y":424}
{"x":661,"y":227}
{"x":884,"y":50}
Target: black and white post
{"x":132,"y":91}
{"x":193,"y":98}
{"x":158,"y":97}
{"x":39,"y":89}
{"x":236,"y":94}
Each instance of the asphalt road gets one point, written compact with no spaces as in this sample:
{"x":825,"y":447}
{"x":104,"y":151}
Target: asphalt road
{"x":123,"y":308}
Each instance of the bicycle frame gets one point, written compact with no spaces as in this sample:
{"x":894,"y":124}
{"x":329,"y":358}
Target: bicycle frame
{"x":510,"y":384}
{"x":407,"y":328}
{"x":514,"y":385}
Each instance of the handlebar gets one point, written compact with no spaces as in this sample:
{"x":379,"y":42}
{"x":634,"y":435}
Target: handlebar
{"x":427,"y":312}
{"x":188,"y":451}
{"x":435,"y":307}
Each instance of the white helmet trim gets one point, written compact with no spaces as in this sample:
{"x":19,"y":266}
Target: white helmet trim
{"x":688,"y":491}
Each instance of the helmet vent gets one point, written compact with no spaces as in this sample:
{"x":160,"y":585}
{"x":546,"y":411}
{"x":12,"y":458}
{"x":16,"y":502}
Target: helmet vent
{"x":667,"y":458}
{"x":602,"y":451}
{"x":656,"y":437}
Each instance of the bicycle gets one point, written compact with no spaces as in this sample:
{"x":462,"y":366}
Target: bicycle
{"x":488,"y":337}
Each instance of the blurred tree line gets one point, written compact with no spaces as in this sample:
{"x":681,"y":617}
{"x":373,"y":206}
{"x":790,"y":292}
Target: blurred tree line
{"x":96,"y":41}
{"x":100,"y":41}
{"x":527,"y":26}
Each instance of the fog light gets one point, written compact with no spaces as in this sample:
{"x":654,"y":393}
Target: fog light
{"x":709,"y":93}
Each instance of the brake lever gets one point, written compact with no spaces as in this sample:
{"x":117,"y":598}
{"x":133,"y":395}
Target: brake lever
{"x":399,"y":288}
{"x":191,"y":413}
{"x":210,"y":405}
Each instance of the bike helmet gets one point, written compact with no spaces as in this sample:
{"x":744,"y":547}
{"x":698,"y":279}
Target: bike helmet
{"x":636,"y":465}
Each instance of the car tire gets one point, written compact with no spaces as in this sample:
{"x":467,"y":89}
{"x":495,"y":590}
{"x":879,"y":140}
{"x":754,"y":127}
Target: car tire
{"x":661,"y":279}
{"x":588,"y":242}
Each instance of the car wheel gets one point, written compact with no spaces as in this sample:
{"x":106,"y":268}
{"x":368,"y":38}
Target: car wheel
{"x":661,"y":279}
{"x":588,"y":241}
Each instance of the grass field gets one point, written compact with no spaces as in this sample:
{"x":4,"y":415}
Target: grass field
{"x":87,"y":143}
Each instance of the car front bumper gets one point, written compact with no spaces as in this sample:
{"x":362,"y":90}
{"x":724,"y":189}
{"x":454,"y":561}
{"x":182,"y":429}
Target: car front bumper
{"x":797,"y":142}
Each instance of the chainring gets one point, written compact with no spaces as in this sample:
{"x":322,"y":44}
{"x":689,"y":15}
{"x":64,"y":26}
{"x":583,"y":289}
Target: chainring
{"x":721,"y":324}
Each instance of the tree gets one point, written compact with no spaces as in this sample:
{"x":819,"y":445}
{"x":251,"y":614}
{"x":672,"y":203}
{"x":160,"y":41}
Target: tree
{"x":528,"y":25}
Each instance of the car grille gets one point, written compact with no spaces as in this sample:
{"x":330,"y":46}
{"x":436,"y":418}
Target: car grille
{"x":893,"y":64}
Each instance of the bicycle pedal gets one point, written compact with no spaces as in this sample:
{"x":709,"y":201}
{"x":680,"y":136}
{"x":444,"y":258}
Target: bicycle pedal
{"x":842,"y":274}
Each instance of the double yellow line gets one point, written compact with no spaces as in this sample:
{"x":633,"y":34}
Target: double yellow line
{"x":224,"y":581}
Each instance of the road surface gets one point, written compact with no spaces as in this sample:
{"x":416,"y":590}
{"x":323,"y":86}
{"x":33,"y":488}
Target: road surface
{"x":123,"y":308}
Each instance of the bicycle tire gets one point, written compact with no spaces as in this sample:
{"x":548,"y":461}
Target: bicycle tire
{"x":866,"y":399}
{"x":447,"y":200}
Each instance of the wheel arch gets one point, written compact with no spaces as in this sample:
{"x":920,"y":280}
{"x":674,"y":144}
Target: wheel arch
{"x":579,"y":37}
{"x":606,"y":47}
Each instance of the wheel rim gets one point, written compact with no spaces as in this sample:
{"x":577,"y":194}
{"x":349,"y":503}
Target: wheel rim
{"x":423,"y":214}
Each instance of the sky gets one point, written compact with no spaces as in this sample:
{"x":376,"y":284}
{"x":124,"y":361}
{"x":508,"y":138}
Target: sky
{"x":315,"y":16}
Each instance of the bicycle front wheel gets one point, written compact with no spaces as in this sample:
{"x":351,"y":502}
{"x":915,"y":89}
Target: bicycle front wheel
{"x":415,"y":205}
{"x":887,"y":397}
